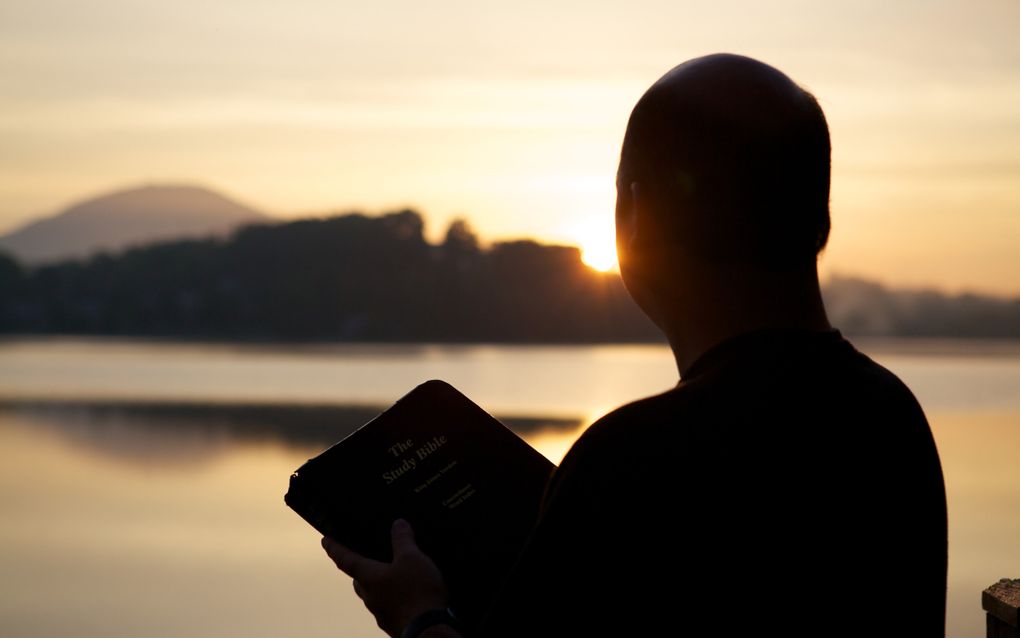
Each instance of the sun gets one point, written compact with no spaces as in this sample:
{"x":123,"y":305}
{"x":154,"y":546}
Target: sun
{"x":599,"y":257}
{"x":598,"y":245}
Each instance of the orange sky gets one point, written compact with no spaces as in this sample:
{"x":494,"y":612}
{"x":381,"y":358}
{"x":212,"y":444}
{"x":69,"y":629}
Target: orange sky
{"x":512,"y":113}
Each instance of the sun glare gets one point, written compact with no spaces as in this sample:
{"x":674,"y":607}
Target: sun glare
{"x":598,"y":246}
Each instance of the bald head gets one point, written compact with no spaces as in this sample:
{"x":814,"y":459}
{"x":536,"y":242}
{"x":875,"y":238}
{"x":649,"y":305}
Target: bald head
{"x":733,"y":157}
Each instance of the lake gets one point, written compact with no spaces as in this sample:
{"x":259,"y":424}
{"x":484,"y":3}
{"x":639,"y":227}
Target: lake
{"x":141,"y":482}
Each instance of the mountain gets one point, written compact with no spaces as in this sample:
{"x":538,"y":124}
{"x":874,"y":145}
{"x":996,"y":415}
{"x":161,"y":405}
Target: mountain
{"x":126,"y":218}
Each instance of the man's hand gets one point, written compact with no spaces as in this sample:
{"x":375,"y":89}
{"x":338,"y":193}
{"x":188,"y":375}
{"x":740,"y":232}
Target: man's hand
{"x":394,"y":592}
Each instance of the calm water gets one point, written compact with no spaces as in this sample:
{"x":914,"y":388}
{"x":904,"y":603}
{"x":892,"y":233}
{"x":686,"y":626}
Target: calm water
{"x":141,"y":483}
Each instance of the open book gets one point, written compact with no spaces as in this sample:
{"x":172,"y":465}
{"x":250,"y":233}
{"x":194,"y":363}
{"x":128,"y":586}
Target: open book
{"x":470,"y":488}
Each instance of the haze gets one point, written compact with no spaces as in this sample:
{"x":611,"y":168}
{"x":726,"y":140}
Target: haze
{"x":511,"y":114}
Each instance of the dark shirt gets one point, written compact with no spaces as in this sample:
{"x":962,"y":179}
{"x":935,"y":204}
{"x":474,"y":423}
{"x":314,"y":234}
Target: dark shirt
{"x":789,"y":483}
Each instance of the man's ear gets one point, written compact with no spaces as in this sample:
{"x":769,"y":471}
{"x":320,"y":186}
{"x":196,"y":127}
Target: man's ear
{"x":638,"y":222}
{"x":629,"y":224}
{"x":636,"y":233}
{"x":638,"y":249}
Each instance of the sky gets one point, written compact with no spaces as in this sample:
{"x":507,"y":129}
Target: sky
{"x":511,"y":114}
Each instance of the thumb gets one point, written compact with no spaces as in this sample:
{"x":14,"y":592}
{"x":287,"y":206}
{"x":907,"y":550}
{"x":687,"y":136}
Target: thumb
{"x":403,"y":538}
{"x":347,"y":560}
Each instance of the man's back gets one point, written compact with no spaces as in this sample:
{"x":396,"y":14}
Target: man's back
{"x":788,"y":482}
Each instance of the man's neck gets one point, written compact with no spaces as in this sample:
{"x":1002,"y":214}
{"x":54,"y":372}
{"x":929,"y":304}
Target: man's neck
{"x":717,"y":306}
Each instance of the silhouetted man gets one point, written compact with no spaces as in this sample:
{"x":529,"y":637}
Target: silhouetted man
{"x":788,"y":484}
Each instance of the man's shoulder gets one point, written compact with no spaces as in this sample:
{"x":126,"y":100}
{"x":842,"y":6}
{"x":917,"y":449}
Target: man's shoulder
{"x":651,"y":408}
{"x":638,"y":424}
{"x":806,"y":389}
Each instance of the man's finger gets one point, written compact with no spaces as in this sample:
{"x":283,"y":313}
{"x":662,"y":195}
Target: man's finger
{"x":403,"y":538}
{"x":347,"y":560}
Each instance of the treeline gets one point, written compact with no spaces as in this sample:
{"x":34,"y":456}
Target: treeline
{"x":862,"y":307}
{"x":350,"y":277}
{"x":359,"y":278}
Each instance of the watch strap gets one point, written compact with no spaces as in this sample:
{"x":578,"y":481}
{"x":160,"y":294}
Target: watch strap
{"x":427,"y":619}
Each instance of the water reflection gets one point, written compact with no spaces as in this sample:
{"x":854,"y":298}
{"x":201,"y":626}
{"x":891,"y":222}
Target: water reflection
{"x":141,"y":485}
{"x":168,"y":520}
{"x":98,"y":547}
{"x":188,"y":435}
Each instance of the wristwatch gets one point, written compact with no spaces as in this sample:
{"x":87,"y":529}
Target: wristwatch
{"x":430,"y":618}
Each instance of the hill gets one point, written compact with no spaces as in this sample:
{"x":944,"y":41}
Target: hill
{"x":115,"y":221}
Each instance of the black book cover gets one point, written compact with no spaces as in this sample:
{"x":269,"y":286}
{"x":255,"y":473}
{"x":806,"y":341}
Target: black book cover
{"x":470,"y":488}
